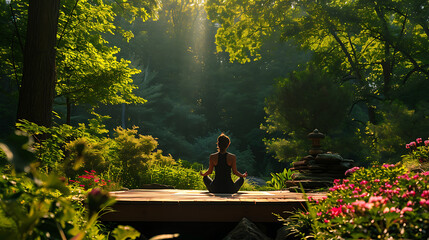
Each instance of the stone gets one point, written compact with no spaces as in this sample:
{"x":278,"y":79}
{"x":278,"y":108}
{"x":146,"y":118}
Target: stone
{"x":246,"y":230}
{"x":329,"y":157}
{"x":319,"y":169}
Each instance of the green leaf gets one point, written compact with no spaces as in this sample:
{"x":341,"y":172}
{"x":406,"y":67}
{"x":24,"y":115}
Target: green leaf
{"x":54,"y":182}
{"x":18,"y":152}
{"x":124,"y":232}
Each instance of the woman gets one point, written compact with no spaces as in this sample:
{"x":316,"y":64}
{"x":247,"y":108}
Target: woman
{"x":223,"y":162}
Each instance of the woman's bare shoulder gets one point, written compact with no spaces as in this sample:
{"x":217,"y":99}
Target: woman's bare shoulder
{"x":231,"y":155}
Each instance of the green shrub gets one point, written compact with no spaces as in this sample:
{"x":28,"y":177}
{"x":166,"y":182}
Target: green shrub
{"x":51,"y":150}
{"x":382,"y":202}
{"x":34,"y":205}
{"x":86,"y":153}
{"x":135,"y":154}
{"x":174,"y":175}
{"x":278,"y":180}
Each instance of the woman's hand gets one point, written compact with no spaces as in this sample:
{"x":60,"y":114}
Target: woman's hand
{"x":202,"y":174}
{"x":245,"y":175}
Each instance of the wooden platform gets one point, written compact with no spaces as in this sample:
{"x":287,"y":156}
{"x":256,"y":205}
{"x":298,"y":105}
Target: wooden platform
{"x":148,"y":205}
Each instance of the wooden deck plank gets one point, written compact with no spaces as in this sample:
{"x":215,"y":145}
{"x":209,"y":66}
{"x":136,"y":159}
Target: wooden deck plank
{"x":171,"y":205}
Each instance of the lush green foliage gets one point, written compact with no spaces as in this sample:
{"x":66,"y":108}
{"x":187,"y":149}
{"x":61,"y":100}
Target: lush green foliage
{"x":381,"y":202}
{"x":34,"y":205}
{"x":174,"y":175}
{"x":87,"y":155}
{"x":87,"y":68}
{"x":377,"y":48}
{"x":278,"y":180}
{"x":306,"y":100}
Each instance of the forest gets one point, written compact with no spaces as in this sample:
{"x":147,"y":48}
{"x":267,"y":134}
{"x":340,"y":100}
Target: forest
{"x":121,"y":93}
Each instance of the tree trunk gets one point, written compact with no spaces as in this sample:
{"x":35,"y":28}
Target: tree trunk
{"x":37,"y":89}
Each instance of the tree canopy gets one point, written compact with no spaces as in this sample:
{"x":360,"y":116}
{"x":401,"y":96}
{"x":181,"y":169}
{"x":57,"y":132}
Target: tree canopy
{"x":380,"y":47}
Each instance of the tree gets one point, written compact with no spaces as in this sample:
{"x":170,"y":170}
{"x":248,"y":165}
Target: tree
{"x":304,"y":101}
{"x":37,"y":88}
{"x":381,"y":47}
{"x":38,"y":81}
{"x":88,"y":69}
{"x":378,"y":44}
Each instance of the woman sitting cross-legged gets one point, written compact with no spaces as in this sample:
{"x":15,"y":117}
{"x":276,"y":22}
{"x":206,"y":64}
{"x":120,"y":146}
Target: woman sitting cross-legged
{"x":223,"y":162}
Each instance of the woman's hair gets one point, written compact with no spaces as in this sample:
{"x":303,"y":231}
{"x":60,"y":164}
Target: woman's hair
{"x":222,"y":142}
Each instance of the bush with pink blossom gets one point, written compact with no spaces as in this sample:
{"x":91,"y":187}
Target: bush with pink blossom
{"x":91,"y":180}
{"x":381,"y":202}
{"x":418,"y":155}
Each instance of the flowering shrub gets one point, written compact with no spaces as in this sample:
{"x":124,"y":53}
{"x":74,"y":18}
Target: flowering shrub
{"x":382,"y":202}
{"x":419,"y":151}
{"x":91,"y":180}
{"x":35,"y":205}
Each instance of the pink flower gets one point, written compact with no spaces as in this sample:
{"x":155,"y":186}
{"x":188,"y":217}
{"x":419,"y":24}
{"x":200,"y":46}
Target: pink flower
{"x":419,"y":140}
{"x":363,"y":182}
{"x":388,"y":165}
{"x":364,"y":194}
{"x":81,"y":185}
{"x":409,"y":203}
{"x":406,"y":209}
{"x":407,"y":146}
{"x":336,"y":211}
{"x":376,"y":199}
{"x":326,"y":220}
{"x":319,"y":214}
{"x":413,"y":144}
{"x":376,"y":180}
{"x":426,"y":142}
{"x":362,"y":204}
{"x":351,"y":170}
{"x":386,"y":210}
{"x":393,"y":209}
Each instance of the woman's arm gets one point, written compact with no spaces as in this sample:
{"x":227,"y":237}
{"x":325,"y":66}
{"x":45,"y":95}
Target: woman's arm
{"x":211,"y":165}
{"x":234,"y":167}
